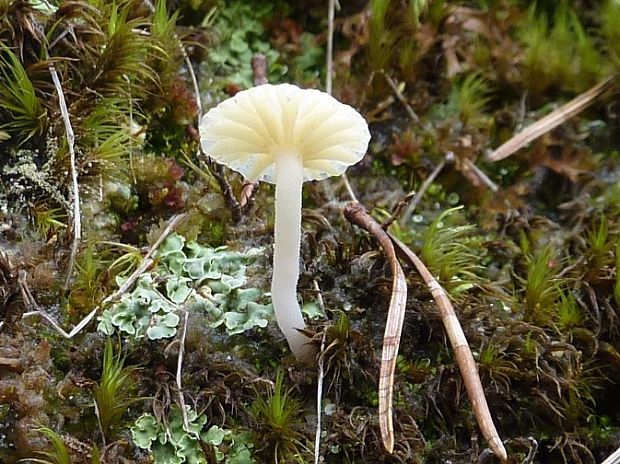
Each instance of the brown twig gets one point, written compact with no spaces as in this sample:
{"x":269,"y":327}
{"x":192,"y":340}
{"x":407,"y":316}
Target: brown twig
{"x":330,"y":46}
{"x":425,"y":185}
{"x":552,"y":120}
{"x":356,"y":214}
{"x":464,"y":357}
{"x":259,"y":69}
{"x":480,"y":174}
{"x":401,"y":98}
{"x":219,"y":172}
{"x":402,"y":203}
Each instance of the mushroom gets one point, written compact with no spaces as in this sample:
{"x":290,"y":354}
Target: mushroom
{"x":285,"y":135}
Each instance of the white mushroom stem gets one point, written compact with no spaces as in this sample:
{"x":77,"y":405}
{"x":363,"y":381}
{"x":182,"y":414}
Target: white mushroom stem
{"x":289,"y":179}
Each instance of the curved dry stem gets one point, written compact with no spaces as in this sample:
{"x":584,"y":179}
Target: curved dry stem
{"x":464,"y":357}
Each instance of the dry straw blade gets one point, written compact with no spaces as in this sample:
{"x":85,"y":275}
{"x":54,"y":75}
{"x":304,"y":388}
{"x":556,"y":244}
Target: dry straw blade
{"x":356,"y":214}
{"x":464,"y":357}
{"x":614,"y":458}
{"x":552,"y":120}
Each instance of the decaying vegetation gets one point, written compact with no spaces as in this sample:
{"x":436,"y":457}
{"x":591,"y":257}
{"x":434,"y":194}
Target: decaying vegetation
{"x":135,"y":319}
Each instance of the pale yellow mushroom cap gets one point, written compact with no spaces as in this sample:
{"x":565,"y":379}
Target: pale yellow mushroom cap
{"x":246,"y":131}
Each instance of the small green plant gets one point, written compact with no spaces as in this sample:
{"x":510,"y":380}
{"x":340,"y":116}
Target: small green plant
{"x":125,"y":263}
{"x":389,"y":34}
{"x":568,"y":313}
{"x":599,"y":250}
{"x":381,"y":39}
{"x":172,"y":443}
{"x":121,"y":68}
{"x":307,"y":65}
{"x":58,"y":453}
{"x":542,"y":283}
{"x":111,"y":392}
{"x":163,"y":32}
{"x":206,"y":280}
{"x":106,"y":140}
{"x":88,"y":286}
{"x":468,"y":98}
{"x":448,"y":251}
{"x":278,"y":416}
{"x":47,"y":219}
{"x":499,"y":368}
{"x":530,"y":347}
{"x":26,"y":116}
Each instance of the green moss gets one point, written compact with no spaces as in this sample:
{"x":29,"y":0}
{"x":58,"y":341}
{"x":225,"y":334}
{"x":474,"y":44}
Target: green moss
{"x":559,"y":54}
{"x":279,"y":420}
{"x":542,"y":282}
{"x":449,"y":251}
{"x":111,"y":394}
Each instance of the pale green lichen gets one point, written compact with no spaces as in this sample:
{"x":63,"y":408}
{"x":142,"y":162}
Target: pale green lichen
{"x":175,"y":444}
{"x":204,"y":280}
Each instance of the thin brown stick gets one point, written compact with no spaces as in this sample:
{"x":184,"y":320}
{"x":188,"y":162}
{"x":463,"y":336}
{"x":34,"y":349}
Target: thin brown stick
{"x":481,"y":175}
{"x":76,"y":216}
{"x":356,"y":214}
{"x":259,"y":69}
{"x":330,"y":77}
{"x":401,"y":98}
{"x":402,"y":203}
{"x":330,"y":46}
{"x":98,"y":416}
{"x":425,"y":185}
{"x":219,"y":172}
{"x":552,"y":120}
{"x":464,"y":358}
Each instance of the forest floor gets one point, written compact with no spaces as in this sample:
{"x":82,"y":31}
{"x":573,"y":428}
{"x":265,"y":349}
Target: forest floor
{"x":136,"y":322}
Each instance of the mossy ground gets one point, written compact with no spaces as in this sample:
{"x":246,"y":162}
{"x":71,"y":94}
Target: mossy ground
{"x":531,"y":266}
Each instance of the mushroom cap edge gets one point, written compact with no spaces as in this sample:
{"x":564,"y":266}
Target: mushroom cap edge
{"x":246,"y":131}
